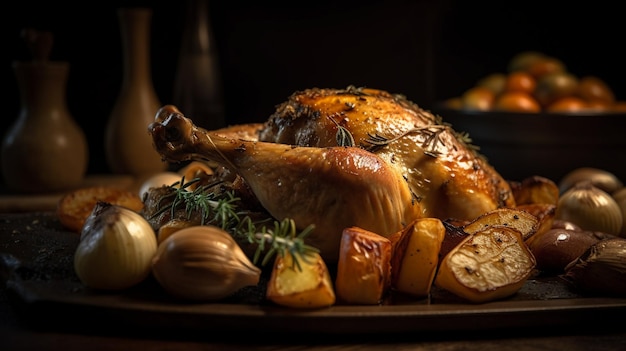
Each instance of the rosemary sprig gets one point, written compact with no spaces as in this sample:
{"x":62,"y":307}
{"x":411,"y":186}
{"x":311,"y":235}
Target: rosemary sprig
{"x":282,"y":239}
{"x":430,"y":133}
{"x":222,"y":211}
{"x":199,"y":200}
{"x":343,"y":136}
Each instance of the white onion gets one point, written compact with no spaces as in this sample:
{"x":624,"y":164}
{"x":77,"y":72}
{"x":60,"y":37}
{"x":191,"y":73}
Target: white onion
{"x":116,"y":248}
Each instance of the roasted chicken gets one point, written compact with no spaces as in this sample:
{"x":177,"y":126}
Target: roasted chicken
{"x":338,"y":158}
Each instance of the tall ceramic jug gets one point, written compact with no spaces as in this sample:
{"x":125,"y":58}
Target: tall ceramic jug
{"x":45,"y":150}
{"x":128,"y":145}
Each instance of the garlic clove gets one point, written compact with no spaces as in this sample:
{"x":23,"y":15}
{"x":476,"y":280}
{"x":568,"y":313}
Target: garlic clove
{"x":590,"y":208}
{"x":116,"y":248}
{"x":203,"y":263}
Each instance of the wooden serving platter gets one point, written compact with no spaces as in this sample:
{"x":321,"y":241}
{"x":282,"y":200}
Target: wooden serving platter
{"x":36,"y":264}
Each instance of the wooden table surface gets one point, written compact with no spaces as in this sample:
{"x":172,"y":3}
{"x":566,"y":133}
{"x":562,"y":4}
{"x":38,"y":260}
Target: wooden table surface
{"x":16,"y":333}
{"x":14,"y":336}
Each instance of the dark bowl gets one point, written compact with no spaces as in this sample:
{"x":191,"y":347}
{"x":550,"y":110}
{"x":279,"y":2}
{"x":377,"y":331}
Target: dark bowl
{"x":519,"y":145}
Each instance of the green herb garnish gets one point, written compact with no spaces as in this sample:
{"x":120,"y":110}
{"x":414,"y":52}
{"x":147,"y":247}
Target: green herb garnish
{"x":343,"y":136}
{"x":221,"y":211}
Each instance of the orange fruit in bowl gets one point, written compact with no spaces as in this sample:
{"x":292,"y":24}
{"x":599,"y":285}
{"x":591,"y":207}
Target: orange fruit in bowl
{"x":567,"y":104}
{"x":554,"y":86}
{"x":599,"y":105}
{"x":495,"y":82}
{"x":522,"y":60}
{"x":520,"y":81}
{"x":594,"y":88}
{"x":477,"y":98}
{"x":618,"y":106}
{"x":544,"y":66}
{"x":453,"y":103}
{"x":516,"y":101}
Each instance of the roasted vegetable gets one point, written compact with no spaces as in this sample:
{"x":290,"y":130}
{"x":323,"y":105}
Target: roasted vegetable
{"x":115,"y":249}
{"x":305,"y":285}
{"x":601,"y":269}
{"x":416,"y":256}
{"x":364,"y":267}
{"x":600,"y":178}
{"x":203,"y":263}
{"x":521,"y":220}
{"x":590,"y":208}
{"x":75,"y":206}
{"x":535,"y":190}
{"x":556,"y":248}
{"x":491,"y":264}
{"x":544,"y":213}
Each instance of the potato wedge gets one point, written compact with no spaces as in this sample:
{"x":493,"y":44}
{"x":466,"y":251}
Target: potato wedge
{"x":415,"y":256}
{"x":172,"y":226}
{"x":545,"y":213}
{"x":306,"y":288}
{"x":535,"y":190}
{"x":454,"y":235}
{"x":488,"y":265}
{"x":519,"y":219}
{"x":74,"y":207}
{"x":364,"y":267}
{"x":196,"y":169}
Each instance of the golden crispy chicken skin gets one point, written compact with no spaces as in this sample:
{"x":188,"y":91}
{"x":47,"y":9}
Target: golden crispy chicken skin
{"x":340,"y":158}
{"x":446,"y":176}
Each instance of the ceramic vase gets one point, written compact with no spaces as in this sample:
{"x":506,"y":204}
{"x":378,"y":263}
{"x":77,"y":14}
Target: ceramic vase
{"x":128,"y":144}
{"x":198,"y":84}
{"x":45,"y":150}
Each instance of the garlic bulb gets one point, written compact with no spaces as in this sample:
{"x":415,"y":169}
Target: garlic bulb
{"x":590,"y":208}
{"x":203,"y":263}
{"x":116,"y":248}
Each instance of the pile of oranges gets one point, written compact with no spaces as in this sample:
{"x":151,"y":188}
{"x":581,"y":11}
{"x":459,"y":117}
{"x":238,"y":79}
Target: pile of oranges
{"x":536,"y":82}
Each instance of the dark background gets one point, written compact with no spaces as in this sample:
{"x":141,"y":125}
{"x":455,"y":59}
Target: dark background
{"x":426,"y":50}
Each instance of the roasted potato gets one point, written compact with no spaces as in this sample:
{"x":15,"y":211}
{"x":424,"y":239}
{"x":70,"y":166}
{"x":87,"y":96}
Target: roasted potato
{"x":535,"y":190}
{"x":524,"y":222}
{"x":74,"y":207}
{"x":491,"y":264}
{"x":306,"y":286}
{"x":454,"y":235}
{"x":172,"y":226}
{"x":416,"y":256}
{"x":364,"y":267}
{"x":545,"y":214}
